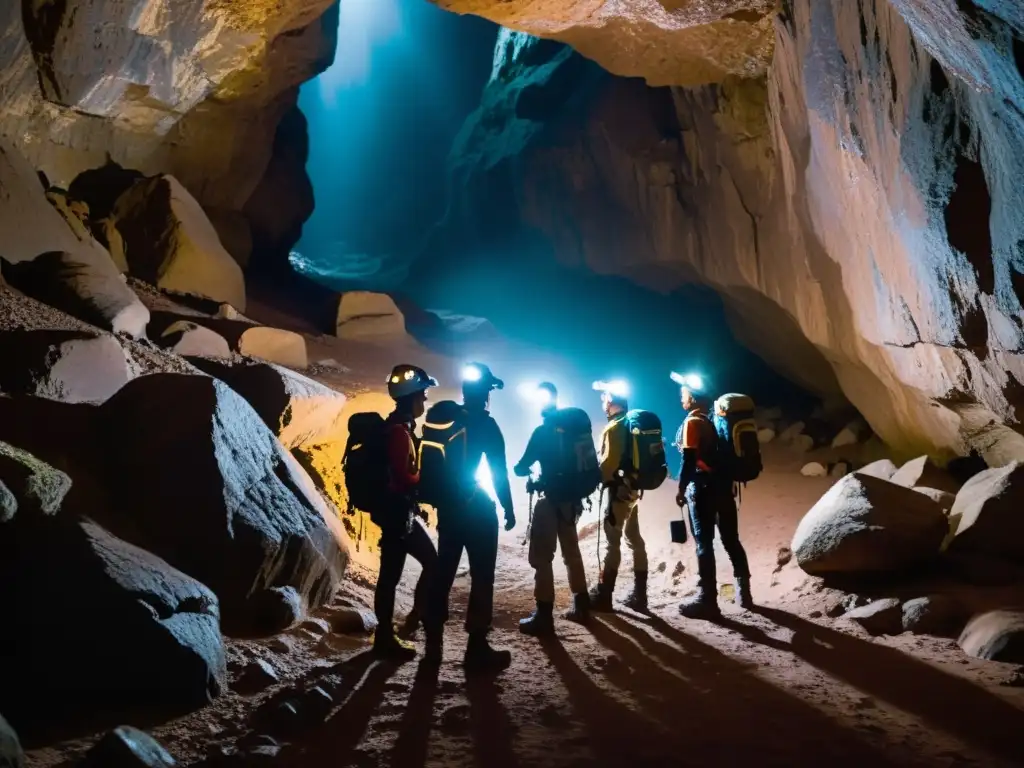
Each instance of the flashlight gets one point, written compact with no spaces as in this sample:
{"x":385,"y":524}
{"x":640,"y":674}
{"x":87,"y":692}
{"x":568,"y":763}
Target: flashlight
{"x":616,"y":388}
{"x":471,"y":374}
{"x":690,"y":381}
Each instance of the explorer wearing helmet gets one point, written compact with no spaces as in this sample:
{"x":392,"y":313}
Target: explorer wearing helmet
{"x":401,"y":533}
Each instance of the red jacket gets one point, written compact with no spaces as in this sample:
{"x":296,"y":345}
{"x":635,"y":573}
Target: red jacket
{"x":403,"y":461}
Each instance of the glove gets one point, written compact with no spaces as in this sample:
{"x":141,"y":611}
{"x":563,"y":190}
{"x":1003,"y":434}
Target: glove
{"x":510,"y":520}
{"x":421,"y":513}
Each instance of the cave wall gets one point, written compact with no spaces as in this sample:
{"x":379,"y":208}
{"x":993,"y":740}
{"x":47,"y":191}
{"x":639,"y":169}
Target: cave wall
{"x":858,"y":209}
{"x":193,"y":88}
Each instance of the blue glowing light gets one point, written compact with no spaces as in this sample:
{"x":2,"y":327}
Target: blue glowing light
{"x":616,"y":388}
{"x":690,"y":381}
{"x":471,"y":374}
{"x":362,"y":24}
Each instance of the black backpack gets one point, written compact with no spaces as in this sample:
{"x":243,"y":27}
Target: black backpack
{"x":644,"y":458}
{"x":443,"y":459}
{"x":739,"y":451}
{"x":365,"y":463}
{"x":571,"y":472}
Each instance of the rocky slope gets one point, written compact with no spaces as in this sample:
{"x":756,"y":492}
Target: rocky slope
{"x":858,"y":209}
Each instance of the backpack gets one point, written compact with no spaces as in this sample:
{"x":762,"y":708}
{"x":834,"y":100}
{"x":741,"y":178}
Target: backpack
{"x":738,"y":446}
{"x":572,"y":471}
{"x":644,"y":458}
{"x":443,"y":459}
{"x":365,"y":462}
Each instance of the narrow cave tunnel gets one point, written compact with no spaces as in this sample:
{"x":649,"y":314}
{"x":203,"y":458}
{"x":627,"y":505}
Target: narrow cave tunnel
{"x":224,"y":225}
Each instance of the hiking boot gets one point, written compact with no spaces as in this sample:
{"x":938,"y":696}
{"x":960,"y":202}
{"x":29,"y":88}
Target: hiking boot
{"x":601,"y":595}
{"x":579,"y":611}
{"x":482,"y":658}
{"x":743,"y":597}
{"x":411,"y":625}
{"x":702,"y":604}
{"x":637,"y":599}
{"x":540,"y":622}
{"x":390,"y":647}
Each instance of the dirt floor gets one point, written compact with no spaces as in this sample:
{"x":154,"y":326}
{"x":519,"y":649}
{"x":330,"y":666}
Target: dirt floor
{"x":784,"y":685}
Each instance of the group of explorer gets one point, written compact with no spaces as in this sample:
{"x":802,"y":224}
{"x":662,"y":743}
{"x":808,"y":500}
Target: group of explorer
{"x":390,"y":472}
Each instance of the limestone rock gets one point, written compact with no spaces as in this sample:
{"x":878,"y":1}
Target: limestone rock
{"x":839,"y":469}
{"x":150,"y":637}
{"x":765,"y":435}
{"x":71,"y":366}
{"x":813,"y":469}
{"x":189,"y":339}
{"x":346,"y":620}
{"x":365,"y":315}
{"x":846,"y":436}
{"x":213,"y":491}
{"x":127,"y":747}
{"x":274,"y":345}
{"x":28,"y":486}
{"x":234,"y":233}
{"x":257,"y":676}
{"x":989,"y":511}
{"x":802,"y":443}
{"x":300,"y":411}
{"x":11,"y":755}
{"x":922,"y":471}
{"x":995,"y":636}
{"x":944,"y":499}
{"x":881,"y":617}
{"x":863,"y":525}
{"x":934,"y":615}
{"x":883,"y":469}
{"x":171,"y":244}
{"x":791,"y":432}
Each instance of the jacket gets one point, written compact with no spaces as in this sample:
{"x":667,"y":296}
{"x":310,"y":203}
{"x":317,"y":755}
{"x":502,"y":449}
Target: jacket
{"x":699,"y":446}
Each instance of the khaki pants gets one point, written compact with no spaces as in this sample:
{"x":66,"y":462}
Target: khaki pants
{"x":624,"y":519}
{"x":555,"y":524}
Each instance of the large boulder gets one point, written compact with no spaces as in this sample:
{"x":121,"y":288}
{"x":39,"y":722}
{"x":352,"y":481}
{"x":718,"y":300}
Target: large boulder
{"x":146,"y":637}
{"x":72,"y":366}
{"x":127,"y":747}
{"x":28,"y":485}
{"x":371,"y":316}
{"x":45,"y":258}
{"x":274,"y":345}
{"x":995,"y":636}
{"x":883,"y":469}
{"x":170,"y":243}
{"x":864,"y":525}
{"x":990,"y":510}
{"x":211,"y":490}
{"x":188,"y":339}
{"x":300,"y":411}
{"x":923,"y":471}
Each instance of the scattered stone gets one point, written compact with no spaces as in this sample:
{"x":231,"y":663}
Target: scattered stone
{"x":365,"y":315}
{"x":863,"y":524}
{"x":677,"y":571}
{"x":352,"y":621}
{"x":275,"y":346}
{"x":127,"y":747}
{"x":937,"y":615}
{"x":279,"y":607}
{"x":171,"y":244}
{"x":28,"y":486}
{"x":802,"y":443}
{"x":995,"y":636}
{"x":69,"y":366}
{"x":280,"y":645}
{"x":922,"y":471}
{"x":662,"y":566}
{"x":845,"y":437}
{"x":297,"y":409}
{"x":153,"y":639}
{"x":839,"y":469}
{"x":317,"y":704}
{"x":210,"y":488}
{"x":944,"y":499}
{"x":883,"y":469}
{"x":11,"y":755}
{"x":318,"y":627}
{"x":765,"y":435}
{"x":881,"y":617}
{"x":783,"y":557}
{"x":1016,"y":680}
{"x":257,"y":676}
{"x":988,"y":509}
{"x":189,"y":339}
{"x":227,"y":312}
{"x":813,"y":469}
{"x":791,"y":432}
{"x":814,"y":615}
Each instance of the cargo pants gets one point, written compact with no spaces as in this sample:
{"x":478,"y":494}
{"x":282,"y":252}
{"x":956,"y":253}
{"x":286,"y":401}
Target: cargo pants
{"x":555,"y":525}
{"x":620,"y":516}
{"x":710,"y":504}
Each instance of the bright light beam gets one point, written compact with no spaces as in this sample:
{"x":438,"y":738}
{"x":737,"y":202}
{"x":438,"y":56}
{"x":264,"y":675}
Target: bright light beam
{"x":485,"y":480}
{"x":362,"y":24}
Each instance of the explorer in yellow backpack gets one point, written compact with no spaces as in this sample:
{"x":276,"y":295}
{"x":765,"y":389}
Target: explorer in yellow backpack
{"x":739,"y":452}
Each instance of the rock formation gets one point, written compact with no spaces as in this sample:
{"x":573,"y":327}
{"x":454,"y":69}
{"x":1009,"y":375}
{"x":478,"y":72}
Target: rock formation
{"x":858,"y":209}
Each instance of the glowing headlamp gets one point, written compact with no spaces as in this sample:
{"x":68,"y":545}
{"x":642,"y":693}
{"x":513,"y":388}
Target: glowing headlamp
{"x":472,"y":374}
{"x":536,"y":394}
{"x":689,"y":380}
{"x":616,"y":388}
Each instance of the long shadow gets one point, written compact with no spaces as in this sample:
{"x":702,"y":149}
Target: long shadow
{"x":946,"y":701}
{"x":410,"y":750}
{"x":336,"y":741}
{"x":493,"y":731}
{"x":727,"y":711}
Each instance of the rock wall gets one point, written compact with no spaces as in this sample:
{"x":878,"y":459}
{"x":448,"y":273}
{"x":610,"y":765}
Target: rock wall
{"x":859,"y":209}
{"x":191,"y":88}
